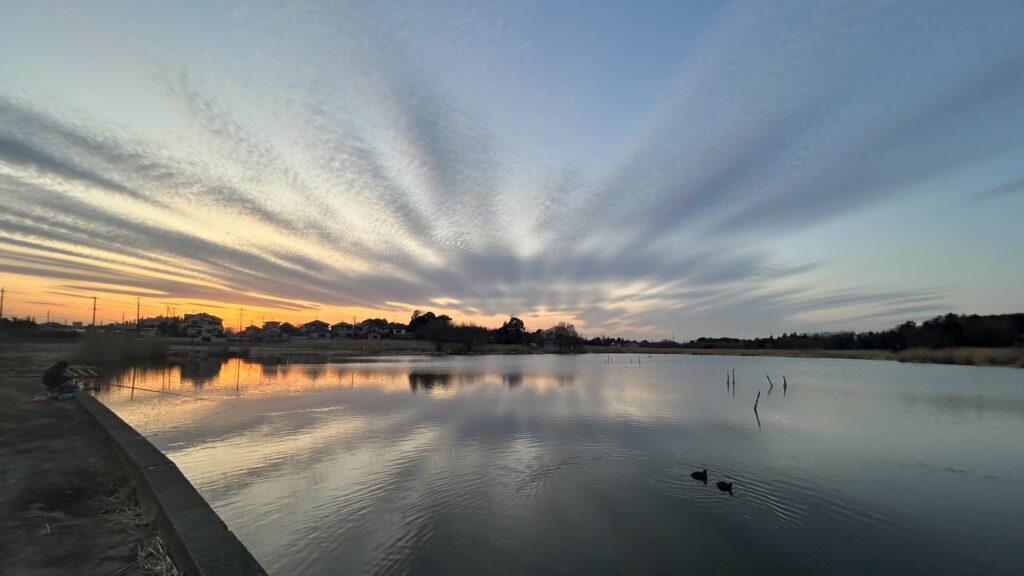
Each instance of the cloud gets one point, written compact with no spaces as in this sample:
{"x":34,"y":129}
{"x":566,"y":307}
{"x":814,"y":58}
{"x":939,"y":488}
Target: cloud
{"x":361,"y":178}
{"x":1012,"y":187}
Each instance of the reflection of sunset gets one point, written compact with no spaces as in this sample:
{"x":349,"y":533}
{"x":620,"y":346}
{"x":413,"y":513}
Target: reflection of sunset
{"x":193,"y":388}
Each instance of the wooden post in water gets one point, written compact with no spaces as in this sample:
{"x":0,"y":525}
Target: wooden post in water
{"x":770,"y":384}
{"x":756,"y":400}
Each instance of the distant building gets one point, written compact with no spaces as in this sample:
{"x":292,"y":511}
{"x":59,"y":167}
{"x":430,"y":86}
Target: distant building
{"x":251,"y":332}
{"x":315,"y":330}
{"x":53,"y":326}
{"x":397,"y":331}
{"x":342,"y":330}
{"x":158,"y":325}
{"x":118,"y":327}
{"x":271,"y":331}
{"x":203,"y":325}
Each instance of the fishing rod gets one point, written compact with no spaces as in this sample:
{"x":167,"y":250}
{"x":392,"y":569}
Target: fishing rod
{"x":191,"y":396}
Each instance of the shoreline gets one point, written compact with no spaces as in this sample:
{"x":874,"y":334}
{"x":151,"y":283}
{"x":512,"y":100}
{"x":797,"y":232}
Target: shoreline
{"x":85,"y":493}
{"x":962,"y":356}
{"x":68,"y":505}
{"x":335,"y":350}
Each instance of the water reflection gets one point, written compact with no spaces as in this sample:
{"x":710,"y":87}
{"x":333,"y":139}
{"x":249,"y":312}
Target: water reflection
{"x":501,"y":464}
{"x":426,"y":380}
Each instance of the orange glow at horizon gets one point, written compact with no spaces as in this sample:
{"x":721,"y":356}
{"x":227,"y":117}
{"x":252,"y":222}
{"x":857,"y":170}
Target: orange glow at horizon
{"x":41,"y":298}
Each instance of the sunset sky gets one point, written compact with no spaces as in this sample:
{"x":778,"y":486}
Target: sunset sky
{"x":638,"y":168}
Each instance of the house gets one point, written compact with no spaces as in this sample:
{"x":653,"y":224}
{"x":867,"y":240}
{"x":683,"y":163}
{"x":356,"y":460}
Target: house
{"x":397,"y":331}
{"x":203,"y":325}
{"x":271,"y":331}
{"x":341,"y":330}
{"x":158,"y":325}
{"x":58,"y":327}
{"x":118,"y":327}
{"x":315,"y":330}
{"x":372,"y":329}
{"x":251,"y":332}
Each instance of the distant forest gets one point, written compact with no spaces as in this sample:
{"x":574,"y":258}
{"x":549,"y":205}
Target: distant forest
{"x":1000,"y":330}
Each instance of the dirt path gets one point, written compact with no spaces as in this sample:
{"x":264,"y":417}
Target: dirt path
{"x":65,"y":499}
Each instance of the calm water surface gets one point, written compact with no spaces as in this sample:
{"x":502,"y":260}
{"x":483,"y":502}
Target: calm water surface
{"x":548,"y":464}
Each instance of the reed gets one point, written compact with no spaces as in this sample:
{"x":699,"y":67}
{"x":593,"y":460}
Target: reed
{"x":102,"y":349}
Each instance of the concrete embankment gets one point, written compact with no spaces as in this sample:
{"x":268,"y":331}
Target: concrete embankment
{"x":81,"y":492}
{"x":198,"y":540}
{"x":66,"y":503}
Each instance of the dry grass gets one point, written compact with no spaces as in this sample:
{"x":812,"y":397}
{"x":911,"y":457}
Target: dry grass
{"x":104,"y":349}
{"x":965,"y":356}
{"x":122,"y":510}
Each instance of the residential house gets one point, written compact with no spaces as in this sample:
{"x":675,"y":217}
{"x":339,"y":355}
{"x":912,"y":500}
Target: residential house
{"x":251,"y":332}
{"x":342,"y":330}
{"x":315,"y":330}
{"x":397,"y":331}
{"x":202,"y":325}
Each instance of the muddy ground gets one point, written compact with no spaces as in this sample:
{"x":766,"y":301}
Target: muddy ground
{"x":66,"y":505}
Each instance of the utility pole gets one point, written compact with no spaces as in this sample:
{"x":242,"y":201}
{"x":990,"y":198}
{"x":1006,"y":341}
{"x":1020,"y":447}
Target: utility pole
{"x":2,"y":302}
{"x":93,"y":311}
{"x":239,"y":319}
{"x":138,"y":309}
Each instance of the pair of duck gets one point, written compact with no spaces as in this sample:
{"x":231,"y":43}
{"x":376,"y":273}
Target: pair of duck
{"x":703,"y":477}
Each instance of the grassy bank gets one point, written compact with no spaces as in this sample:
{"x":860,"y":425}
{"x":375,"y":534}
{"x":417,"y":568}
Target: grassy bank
{"x":964,"y":356}
{"x":102,"y":349}
{"x":67,"y":505}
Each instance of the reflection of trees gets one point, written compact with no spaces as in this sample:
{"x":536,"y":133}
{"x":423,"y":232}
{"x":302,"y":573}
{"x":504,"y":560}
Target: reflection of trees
{"x":199,"y":371}
{"x":427,"y":380}
{"x":565,"y":379}
{"x":311,"y":372}
{"x":512,"y":380}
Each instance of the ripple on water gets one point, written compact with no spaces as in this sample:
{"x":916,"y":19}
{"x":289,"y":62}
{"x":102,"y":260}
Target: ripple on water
{"x":776,"y":503}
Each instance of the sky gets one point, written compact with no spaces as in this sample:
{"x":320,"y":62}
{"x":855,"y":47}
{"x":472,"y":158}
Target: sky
{"x":642,"y":169}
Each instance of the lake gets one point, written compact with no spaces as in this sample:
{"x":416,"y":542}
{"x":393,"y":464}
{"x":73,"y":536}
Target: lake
{"x":581,"y":464}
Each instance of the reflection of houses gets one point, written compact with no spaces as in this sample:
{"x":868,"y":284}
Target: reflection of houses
{"x":315,"y":330}
{"x":200,"y":370}
{"x":428,"y":380}
{"x":341,"y":330}
{"x":203,"y":325}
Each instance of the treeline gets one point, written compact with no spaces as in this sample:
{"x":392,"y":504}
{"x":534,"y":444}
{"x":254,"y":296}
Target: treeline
{"x":951,"y":330}
{"x":462,"y":337}
{"x":27,"y":328}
